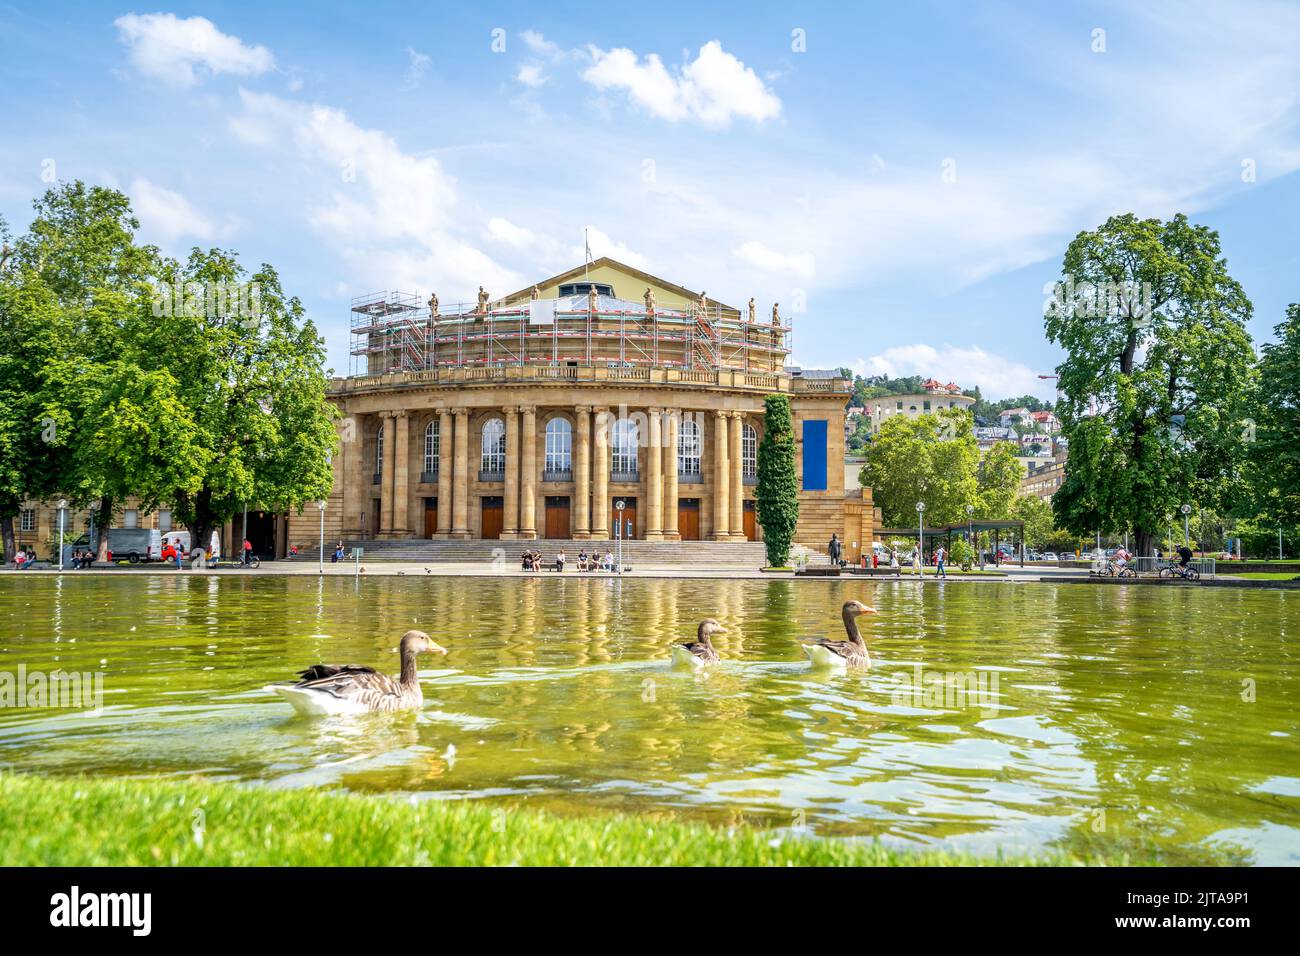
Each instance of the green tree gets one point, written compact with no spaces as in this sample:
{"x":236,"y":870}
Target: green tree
{"x":777,"y":493}
{"x":1036,"y":513}
{"x":998,"y":481}
{"x":1156,"y":375}
{"x":931,"y":458}
{"x":249,"y":370}
{"x":1273,"y":436}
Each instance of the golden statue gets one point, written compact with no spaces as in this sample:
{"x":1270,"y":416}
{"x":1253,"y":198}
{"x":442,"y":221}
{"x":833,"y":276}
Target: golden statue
{"x":649,"y":301}
{"x":591,"y":297}
{"x":537,"y":293}
{"x":751,"y":310}
{"x":776,"y":313}
{"x":433,"y":305}
{"x":482,"y":300}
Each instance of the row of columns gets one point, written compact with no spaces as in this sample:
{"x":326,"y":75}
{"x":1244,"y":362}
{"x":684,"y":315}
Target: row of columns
{"x":590,"y":456}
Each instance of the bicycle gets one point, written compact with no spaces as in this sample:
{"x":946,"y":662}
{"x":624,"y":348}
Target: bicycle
{"x":1115,"y":570}
{"x":1171,"y":571}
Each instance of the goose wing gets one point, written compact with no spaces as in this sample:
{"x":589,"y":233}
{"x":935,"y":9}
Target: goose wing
{"x":361,"y":685}
{"x":844,"y":649}
{"x":699,"y":649}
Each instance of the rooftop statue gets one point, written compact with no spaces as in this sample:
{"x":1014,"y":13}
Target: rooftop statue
{"x":482,"y":300}
{"x":537,"y":293}
{"x":433,"y":304}
{"x":776,"y":313}
{"x":591,"y":297}
{"x":649,"y":301}
{"x":751,"y":309}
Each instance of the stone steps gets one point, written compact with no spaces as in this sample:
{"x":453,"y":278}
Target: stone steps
{"x":697,"y":554}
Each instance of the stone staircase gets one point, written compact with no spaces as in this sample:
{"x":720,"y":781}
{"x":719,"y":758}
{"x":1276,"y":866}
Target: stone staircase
{"x":702,"y":555}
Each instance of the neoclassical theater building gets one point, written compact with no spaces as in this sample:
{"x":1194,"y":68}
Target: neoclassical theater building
{"x":536,"y":414}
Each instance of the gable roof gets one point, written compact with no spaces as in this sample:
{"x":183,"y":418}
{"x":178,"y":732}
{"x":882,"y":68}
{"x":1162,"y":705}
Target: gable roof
{"x":576,"y":274}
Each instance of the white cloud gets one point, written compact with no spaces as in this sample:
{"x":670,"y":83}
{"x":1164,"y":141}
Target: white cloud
{"x":800,"y":265}
{"x":391,"y":214}
{"x":712,"y":89}
{"x":167,"y":214}
{"x":602,"y":245}
{"x":996,"y":376}
{"x":417,"y":66}
{"x":167,"y":48}
{"x":541,"y":46}
{"x":532,"y":75}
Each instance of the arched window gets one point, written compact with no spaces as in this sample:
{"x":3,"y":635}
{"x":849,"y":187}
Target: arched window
{"x":379,"y":451}
{"x":559,"y":448}
{"x":432,"y":443}
{"x":494,"y":447}
{"x":749,"y":451}
{"x":623,"y":447}
{"x":688,"y":449}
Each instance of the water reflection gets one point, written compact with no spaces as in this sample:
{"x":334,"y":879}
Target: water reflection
{"x":1119,"y":718}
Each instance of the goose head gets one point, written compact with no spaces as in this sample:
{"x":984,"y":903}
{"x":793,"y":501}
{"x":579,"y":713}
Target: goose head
{"x":709,"y":626}
{"x":418,"y":642}
{"x":856,"y":608}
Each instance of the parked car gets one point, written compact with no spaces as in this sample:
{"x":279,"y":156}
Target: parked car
{"x":1049,"y":556}
{"x":134,"y":544}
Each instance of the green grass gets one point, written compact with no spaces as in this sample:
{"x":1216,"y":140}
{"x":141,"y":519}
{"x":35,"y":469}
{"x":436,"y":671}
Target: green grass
{"x":82,"y":821}
{"x":1262,"y":575}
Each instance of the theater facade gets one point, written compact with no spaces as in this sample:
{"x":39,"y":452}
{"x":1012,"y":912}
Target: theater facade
{"x":538,"y":413}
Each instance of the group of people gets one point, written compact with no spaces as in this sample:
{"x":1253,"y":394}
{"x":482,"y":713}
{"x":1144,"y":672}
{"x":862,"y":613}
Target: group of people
{"x":531,"y":560}
{"x":24,"y":559}
{"x":340,"y":553}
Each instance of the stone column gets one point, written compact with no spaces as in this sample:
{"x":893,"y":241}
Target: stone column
{"x":445,"y":468}
{"x":460,"y":479}
{"x":401,"y":475}
{"x":510,"y":503}
{"x":386,"y":422}
{"x":600,"y":475}
{"x":528,"y":475}
{"x":737,"y":467}
{"x":356,"y":476}
{"x":721,"y":480}
{"x":673,"y":424}
{"x":654,"y":479}
{"x":582,"y":472}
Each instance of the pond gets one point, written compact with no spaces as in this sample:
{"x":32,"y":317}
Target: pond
{"x":1013,"y":716}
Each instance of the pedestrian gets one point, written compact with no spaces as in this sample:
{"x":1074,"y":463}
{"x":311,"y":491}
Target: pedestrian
{"x":940,"y":555}
{"x":559,"y":560}
{"x":179,"y":550}
{"x":833,"y":549}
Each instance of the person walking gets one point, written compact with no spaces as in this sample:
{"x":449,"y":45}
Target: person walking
{"x":940,"y":555}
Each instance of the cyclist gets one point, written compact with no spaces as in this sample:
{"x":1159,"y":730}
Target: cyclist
{"x":1184,"y":557}
{"x":1122,"y":559}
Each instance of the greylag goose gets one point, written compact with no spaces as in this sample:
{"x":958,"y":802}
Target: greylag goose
{"x":352,"y":689}
{"x":699,"y":652}
{"x":851,"y":653}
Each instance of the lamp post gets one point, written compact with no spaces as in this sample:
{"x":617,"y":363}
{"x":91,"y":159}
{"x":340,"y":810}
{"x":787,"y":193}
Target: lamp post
{"x":321,"y":554}
{"x":618,"y":533}
{"x":920,"y":535}
{"x":63,"y":510}
{"x":1187,"y":538}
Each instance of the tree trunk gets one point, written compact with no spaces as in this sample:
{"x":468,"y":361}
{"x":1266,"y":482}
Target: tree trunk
{"x":1146,"y":543}
{"x":7,"y":535}
{"x":103,"y":518}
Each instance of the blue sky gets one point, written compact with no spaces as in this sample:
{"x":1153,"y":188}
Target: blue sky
{"x":910,"y":173}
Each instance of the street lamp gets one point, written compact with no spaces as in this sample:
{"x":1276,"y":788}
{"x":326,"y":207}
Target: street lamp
{"x":1187,"y":538}
{"x":618,"y":532}
{"x":920,"y":534}
{"x":321,"y":555}
{"x":63,"y":510}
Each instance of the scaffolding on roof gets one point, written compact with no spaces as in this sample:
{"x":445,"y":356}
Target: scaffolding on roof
{"x":395,"y":332}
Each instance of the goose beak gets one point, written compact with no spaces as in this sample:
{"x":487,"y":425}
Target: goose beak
{"x":436,"y":648}
{"x":868,"y":609}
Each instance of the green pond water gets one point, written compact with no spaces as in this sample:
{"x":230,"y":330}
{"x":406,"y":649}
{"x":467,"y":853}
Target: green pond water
{"x":1087,"y":718}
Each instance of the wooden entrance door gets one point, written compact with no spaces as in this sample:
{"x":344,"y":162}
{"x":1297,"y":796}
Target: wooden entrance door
{"x":688,"y":518}
{"x":751,"y":522}
{"x":430,"y":517}
{"x":629,"y":514}
{"x":557,"y":516}
{"x":494,"y":512}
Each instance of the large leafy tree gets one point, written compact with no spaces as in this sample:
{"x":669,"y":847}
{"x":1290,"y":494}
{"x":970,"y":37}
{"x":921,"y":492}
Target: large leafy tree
{"x":998,"y":481}
{"x":931,"y":458}
{"x":248,"y":367}
{"x":1274,"y":433}
{"x":1156,"y":376}
{"x":777,"y":493}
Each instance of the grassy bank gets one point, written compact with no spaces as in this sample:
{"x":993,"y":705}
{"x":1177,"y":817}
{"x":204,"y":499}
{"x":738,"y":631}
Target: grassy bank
{"x":115,"y":822}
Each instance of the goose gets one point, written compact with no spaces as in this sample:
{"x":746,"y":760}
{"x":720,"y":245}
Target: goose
{"x":351,"y":689}
{"x":700,"y":652}
{"x":851,"y":653}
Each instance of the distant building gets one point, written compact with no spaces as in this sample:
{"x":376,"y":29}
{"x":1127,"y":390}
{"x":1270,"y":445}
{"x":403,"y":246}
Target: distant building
{"x":1043,"y":480}
{"x":934,"y":396}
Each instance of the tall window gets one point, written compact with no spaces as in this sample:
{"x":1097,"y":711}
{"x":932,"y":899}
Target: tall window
{"x":559,"y":445}
{"x":27,"y":521}
{"x":494,"y":447}
{"x":688,"y":448}
{"x":379,"y":450}
{"x":431,"y":446}
{"x":623,"y":446}
{"x":164,"y":520}
{"x":131,"y":518}
{"x":749,"y":451}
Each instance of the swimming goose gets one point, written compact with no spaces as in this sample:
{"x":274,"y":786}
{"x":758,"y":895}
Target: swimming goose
{"x":699,"y":652}
{"x":351,"y":689}
{"x":851,"y":653}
